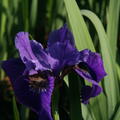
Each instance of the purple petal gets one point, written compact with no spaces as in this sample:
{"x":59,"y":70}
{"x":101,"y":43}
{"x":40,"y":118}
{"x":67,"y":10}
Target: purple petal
{"x":94,"y":62}
{"x":87,"y":92}
{"x":61,"y":47}
{"x":29,"y":54}
{"x":23,"y":45}
{"x":42,"y":55}
{"x":86,"y":76}
{"x":91,"y":68}
{"x":39,"y":53}
{"x":66,"y":55}
{"x":62,"y":35}
{"x":39,"y":102}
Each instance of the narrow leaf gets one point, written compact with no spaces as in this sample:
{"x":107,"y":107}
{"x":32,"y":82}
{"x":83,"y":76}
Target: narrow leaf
{"x":79,"y":28}
{"x":112,"y":26}
{"x":111,"y":83}
{"x":15,"y":110}
{"x":74,"y":97}
{"x":34,"y":7}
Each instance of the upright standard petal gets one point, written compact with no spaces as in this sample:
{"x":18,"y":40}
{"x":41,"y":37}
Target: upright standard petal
{"x":62,"y":35}
{"x":37,"y":101}
{"x":22,"y":43}
{"x":65,"y":54}
{"x":29,"y":54}
{"x":43,"y":56}
{"x":39,"y":53}
{"x":61,"y":47}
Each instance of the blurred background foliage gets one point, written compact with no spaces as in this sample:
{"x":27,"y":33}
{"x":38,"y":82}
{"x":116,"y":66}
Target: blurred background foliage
{"x":39,"y":18}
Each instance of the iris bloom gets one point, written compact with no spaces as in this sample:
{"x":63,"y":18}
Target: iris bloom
{"x":33,"y":74}
{"x":86,"y":64}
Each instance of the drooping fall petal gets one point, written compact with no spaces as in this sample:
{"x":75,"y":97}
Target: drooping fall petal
{"x":39,"y":102}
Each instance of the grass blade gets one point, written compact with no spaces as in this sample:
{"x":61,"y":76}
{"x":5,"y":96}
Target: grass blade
{"x":34,"y":7}
{"x":87,"y":113}
{"x":79,"y":28}
{"x":3,"y":54}
{"x":25,"y":4}
{"x":74,"y":97}
{"x":112,"y":26}
{"x":55,"y":101}
{"x":15,"y":110}
{"x":117,"y":115}
{"x":24,"y":113}
{"x":111,"y":83}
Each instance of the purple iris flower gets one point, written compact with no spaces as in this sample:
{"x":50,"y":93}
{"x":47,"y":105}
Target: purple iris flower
{"x":87,"y":64}
{"x":33,"y":74}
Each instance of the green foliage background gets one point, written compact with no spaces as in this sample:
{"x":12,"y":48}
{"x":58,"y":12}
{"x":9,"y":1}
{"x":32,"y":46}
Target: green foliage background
{"x":95,"y":25}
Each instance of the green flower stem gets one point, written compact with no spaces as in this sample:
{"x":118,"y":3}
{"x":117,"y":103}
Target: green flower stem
{"x":74,"y":97}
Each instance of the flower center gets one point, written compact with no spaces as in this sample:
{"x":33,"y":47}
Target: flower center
{"x":38,"y":82}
